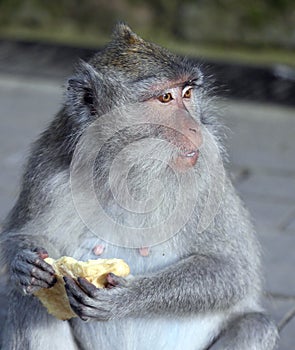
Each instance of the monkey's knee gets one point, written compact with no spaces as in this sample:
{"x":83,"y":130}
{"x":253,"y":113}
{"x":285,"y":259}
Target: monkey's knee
{"x":253,"y":331}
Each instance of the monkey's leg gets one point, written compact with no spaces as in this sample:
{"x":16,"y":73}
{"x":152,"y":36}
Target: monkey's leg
{"x":28,"y":326}
{"x":253,"y":331}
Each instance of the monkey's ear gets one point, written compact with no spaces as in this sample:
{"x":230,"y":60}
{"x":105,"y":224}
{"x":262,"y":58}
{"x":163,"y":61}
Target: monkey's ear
{"x":83,"y":91}
{"x":122,"y":32}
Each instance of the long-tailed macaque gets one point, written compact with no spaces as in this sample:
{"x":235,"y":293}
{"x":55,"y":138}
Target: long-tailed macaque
{"x":132,"y":167}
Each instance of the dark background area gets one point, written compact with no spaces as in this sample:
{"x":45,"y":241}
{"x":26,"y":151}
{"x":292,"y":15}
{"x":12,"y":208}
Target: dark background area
{"x":230,"y":23}
{"x":249,"y":47}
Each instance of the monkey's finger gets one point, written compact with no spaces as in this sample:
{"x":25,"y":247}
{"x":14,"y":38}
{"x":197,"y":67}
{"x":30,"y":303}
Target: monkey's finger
{"x":34,"y":259}
{"x":32,"y":288}
{"x":114,"y":281}
{"x":39,"y":262}
{"x":43,"y":284}
{"x":26,"y":281}
{"x":29,"y":288}
{"x":86,"y":313}
{"x":88,"y":287}
{"x":43,"y":277}
{"x":79,"y":310}
{"x":76,"y":293}
{"x":43,"y":254}
{"x":22,"y":269}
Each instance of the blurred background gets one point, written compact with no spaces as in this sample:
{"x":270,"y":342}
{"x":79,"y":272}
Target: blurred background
{"x":246,"y":34}
{"x":250,"y":30}
{"x":246,"y":49}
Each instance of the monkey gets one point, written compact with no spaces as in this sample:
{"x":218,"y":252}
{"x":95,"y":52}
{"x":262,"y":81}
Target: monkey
{"x":132,"y":167}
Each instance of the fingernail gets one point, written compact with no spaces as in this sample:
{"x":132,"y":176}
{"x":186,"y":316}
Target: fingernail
{"x":53,"y":281}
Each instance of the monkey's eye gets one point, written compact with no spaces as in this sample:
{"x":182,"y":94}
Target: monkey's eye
{"x":188,"y":93}
{"x":165,"y":98}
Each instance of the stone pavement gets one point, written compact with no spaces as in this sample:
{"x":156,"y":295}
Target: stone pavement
{"x":262,"y":151}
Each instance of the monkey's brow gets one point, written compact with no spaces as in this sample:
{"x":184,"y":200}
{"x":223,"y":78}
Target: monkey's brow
{"x":153,"y":79}
{"x":151,"y":89}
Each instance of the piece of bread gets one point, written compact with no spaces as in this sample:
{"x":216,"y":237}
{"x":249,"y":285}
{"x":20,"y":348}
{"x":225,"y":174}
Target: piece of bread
{"x":95,"y":271}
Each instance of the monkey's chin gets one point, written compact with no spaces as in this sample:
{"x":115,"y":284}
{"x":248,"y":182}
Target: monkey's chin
{"x":186,"y":160}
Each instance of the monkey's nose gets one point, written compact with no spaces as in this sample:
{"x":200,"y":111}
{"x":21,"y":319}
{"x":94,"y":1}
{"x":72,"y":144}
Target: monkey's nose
{"x":195,"y":136}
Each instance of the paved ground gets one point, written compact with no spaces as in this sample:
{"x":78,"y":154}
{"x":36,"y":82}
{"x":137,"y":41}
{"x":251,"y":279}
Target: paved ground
{"x":262,"y":150}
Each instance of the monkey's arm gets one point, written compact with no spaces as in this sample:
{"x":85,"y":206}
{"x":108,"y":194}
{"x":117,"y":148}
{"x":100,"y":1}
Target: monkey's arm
{"x":24,"y":255}
{"x":196,"y":284}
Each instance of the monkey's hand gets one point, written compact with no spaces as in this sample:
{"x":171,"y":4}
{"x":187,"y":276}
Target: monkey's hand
{"x":91,"y":303}
{"x":31,"y":272}
{"x":198,"y":283}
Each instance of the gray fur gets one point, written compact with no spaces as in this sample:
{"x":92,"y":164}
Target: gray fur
{"x":190,"y":289}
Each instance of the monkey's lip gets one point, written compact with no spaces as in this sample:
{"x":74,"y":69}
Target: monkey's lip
{"x":194,"y":154}
{"x":186,"y":159}
{"x":190,"y":156}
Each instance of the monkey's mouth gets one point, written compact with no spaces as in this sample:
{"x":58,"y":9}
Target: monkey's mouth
{"x":191,"y":156}
{"x":186,"y":159}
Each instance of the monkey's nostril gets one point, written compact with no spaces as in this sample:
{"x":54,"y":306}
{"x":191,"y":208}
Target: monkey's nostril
{"x":193,"y":130}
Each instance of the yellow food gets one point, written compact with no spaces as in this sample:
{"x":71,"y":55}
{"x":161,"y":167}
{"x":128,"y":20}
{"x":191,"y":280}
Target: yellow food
{"x":95,"y":271}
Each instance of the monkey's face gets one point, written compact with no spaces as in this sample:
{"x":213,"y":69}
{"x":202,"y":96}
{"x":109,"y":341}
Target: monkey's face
{"x":161,"y":123}
{"x":174,"y":104}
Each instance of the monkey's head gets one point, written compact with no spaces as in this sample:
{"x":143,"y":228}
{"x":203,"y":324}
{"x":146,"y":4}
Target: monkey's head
{"x":130,"y":70}
{"x":138,"y":59}
{"x":130,"y":94}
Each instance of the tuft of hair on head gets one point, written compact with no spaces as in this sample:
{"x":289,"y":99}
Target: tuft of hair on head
{"x":123,"y":33}
{"x":134,"y":58}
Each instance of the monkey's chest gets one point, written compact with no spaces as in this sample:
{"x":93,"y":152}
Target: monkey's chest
{"x":193,"y":332}
{"x":140,"y":260}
